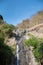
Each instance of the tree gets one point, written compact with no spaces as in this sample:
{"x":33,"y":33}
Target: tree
{"x":1,"y":17}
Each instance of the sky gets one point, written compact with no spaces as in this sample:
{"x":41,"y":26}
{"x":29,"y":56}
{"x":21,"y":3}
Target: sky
{"x":15,"y":11}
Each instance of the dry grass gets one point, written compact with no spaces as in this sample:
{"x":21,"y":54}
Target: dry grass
{"x":35,"y":20}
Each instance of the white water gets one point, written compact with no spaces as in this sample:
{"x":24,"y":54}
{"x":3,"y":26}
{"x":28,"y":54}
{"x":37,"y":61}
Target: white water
{"x":17,"y":52}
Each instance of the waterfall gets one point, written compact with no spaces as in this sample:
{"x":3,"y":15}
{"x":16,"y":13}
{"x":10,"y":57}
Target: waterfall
{"x":17,"y":53}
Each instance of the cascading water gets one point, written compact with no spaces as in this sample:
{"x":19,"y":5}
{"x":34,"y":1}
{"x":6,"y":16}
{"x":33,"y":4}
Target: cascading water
{"x":17,"y":52}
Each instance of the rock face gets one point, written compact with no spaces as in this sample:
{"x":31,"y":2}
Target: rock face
{"x":34,"y":25}
{"x":34,"y":20}
{"x":11,"y":41}
{"x":32,"y":58}
{"x":24,"y":24}
{"x":36,"y":30}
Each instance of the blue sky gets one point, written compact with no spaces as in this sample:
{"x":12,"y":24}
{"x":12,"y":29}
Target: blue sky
{"x":14,"y":11}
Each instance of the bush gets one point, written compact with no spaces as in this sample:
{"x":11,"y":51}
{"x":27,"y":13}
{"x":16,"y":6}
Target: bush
{"x":38,"y":52}
{"x":9,"y":32}
{"x":1,"y":37}
{"x":33,"y":41}
{"x":5,"y":51}
{"x":8,"y":28}
{"x":38,"y":48}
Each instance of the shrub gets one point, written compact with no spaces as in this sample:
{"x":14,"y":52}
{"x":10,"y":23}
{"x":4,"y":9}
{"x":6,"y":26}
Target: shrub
{"x":5,"y":51}
{"x":33,"y":41}
{"x":38,"y":48}
{"x":38,"y":52}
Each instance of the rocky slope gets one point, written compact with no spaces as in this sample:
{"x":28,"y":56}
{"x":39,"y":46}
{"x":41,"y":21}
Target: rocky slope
{"x":6,"y":28}
{"x":24,"y":24}
{"x":35,"y":20}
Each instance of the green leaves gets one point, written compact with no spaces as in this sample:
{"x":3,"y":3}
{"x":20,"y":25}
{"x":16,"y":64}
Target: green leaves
{"x":1,"y":37}
{"x":5,"y":51}
{"x":33,"y":41}
{"x":38,"y":47}
{"x":38,"y":52}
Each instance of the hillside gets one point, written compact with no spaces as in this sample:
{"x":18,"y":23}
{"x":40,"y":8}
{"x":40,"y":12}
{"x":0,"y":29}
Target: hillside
{"x":23,"y":24}
{"x":6,"y":28}
{"x":36,"y":30}
{"x":6,"y":50}
{"x":34,"y":20}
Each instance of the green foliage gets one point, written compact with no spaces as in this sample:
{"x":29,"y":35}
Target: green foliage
{"x":5,"y":51}
{"x":7,"y":29}
{"x":5,"y":54}
{"x":1,"y":21}
{"x":38,"y":52}
{"x":9,"y":32}
{"x":41,"y":49}
{"x":7,"y":26}
{"x":33,"y":41}
{"x":1,"y":34}
{"x":1,"y":37}
{"x":38,"y":47}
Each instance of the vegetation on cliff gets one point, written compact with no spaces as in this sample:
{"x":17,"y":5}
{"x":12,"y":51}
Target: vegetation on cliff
{"x":37,"y":45}
{"x":6,"y":52}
